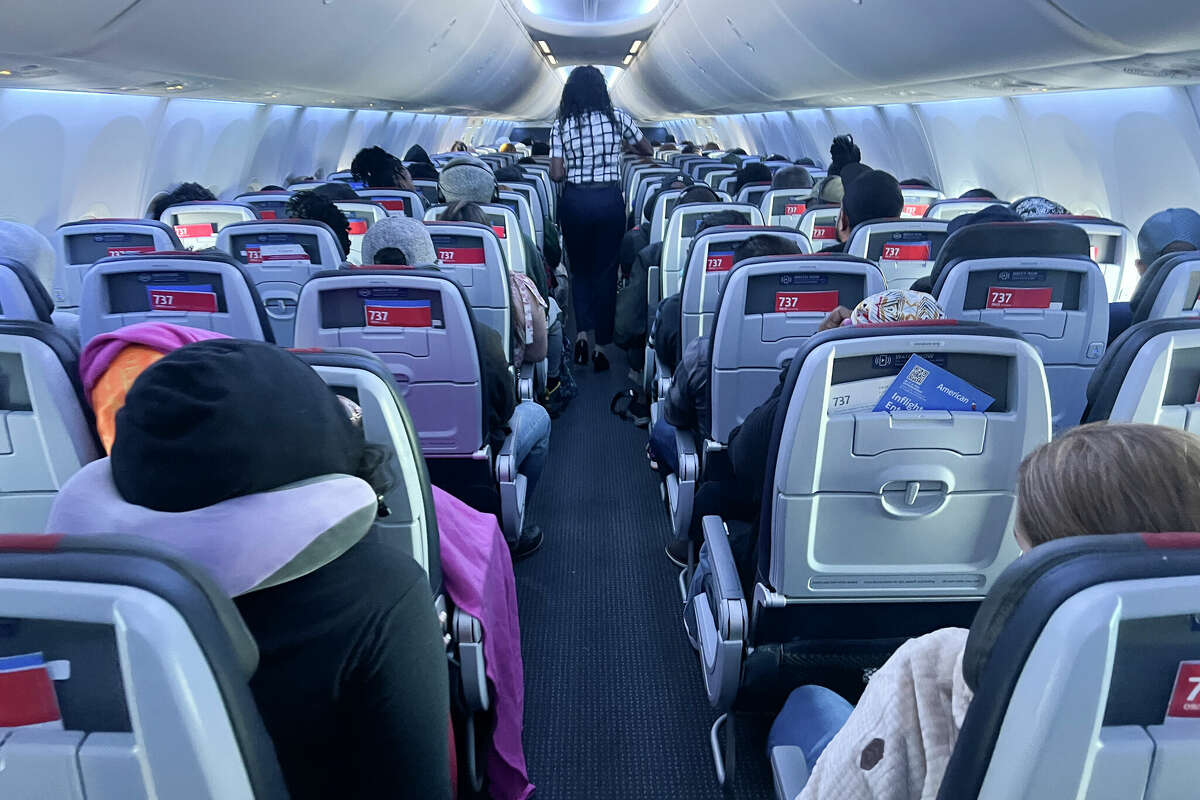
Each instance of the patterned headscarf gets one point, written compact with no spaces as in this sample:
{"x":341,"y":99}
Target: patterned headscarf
{"x":1037,"y":207}
{"x":896,"y":305}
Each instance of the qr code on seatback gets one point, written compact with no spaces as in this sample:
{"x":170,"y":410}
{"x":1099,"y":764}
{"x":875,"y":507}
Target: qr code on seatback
{"x":917,"y":376}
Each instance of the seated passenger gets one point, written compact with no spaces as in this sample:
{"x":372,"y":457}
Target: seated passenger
{"x":867,"y":194}
{"x":753,"y":173}
{"x":1175,"y":230}
{"x":977,"y":194}
{"x":469,"y":180}
{"x":828,"y":192}
{"x":530,"y":337}
{"x":26,"y":245}
{"x":539,"y":149}
{"x":843,"y":151}
{"x":111,"y":362}
{"x":709,"y":147}
{"x":379,"y":169}
{"x":805,"y":162}
{"x":919,"y":183}
{"x":1037,"y":207}
{"x":996,"y":213}
{"x":183,"y":193}
{"x":668,"y":317}
{"x":688,"y":149}
{"x":460,"y":147}
{"x":409,"y":236}
{"x":738,"y":497}
{"x":792,"y":178}
{"x":687,"y":405}
{"x":310,"y":205}
{"x":220,"y":436}
{"x":911,"y":711}
{"x":508,"y":147}
{"x":630,"y":323}
{"x":638,"y":235}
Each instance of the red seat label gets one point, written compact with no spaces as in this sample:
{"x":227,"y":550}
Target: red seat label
{"x":501,"y":231}
{"x":398,"y":314}
{"x":914,"y":209}
{"x":824,"y":232}
{"x":1006,"y":297}
{"x":27,"y":694}
{"x":357,"y":227}
{"x":1094,"y":253}
{"x":718,"y":262}
{"x":391,"y":204}
{"x":266,"y":214}
{"x":794,"y":209}
{"x":461,"y":255}
{"x":188,"y":298}
{"x":805,"y":301}
{"x":131,"y":250}
{"x":906,"y":252}
{"x":194,"y":231}
{"x":1185,"y":697}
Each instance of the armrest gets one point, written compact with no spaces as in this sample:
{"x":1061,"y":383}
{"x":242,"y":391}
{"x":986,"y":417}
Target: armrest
{"x":726,"y":583}
{"x":468,"y":635}
{"x":791,"y":771}
{"x":689,"y":459}
{"x":663,"y":384}
{"x":720,"y":619}
{"x":506,"y":465}
{"x":525,"y":383}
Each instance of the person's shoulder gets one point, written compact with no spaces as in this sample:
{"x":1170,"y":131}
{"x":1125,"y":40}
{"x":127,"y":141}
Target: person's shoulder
{"x":374,"y":562}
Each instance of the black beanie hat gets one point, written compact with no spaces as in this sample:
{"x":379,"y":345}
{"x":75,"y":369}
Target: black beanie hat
{"x":225,"y":418}
{"x":873,"y":195}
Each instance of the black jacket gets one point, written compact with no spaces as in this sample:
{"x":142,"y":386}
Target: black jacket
{"x":352,"y":681}
{"x":501,"y":397}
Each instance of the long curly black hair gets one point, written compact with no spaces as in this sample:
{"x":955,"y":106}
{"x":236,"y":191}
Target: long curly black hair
{"x":585,"y":92}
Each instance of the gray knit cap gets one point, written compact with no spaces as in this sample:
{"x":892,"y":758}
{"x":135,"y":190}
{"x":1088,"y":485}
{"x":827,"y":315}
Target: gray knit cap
{"x":405,"y":233}
{"x":467,"y":179}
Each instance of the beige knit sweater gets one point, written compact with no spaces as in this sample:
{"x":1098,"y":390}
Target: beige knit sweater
{"x":896,"y":744}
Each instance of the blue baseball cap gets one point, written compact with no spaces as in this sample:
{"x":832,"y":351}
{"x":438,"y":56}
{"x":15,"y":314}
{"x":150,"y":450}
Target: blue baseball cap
{"x":1166,"y":228}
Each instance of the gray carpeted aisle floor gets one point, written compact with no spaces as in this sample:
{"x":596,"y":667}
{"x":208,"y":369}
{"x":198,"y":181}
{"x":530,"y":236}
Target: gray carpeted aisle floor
{"x":614,"y":700}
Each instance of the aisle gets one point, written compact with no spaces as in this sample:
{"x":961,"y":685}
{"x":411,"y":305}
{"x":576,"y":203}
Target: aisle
{"x":614,"y":701}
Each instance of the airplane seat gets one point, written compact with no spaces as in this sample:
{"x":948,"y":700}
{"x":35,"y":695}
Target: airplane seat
{"x":1085,"y":653}
{"x":714,"y":177}
{"x":140,"y":668}
{"x":1170,"y":287}
{"x":876,"y":526}
{"x":1111,"y":246}
{"x":504,"y":224}
{"x":398,"y":202}
{"x":519,"y":204}
{"x":305,"y":186}
{"x":665,"y":278}
{"x":753,"y":193}
{"x":917,"y":200}
{"x":726,"y":183}
{"x":471,"y":254}
{"x":46,"y":432}
{"x":208,"y":290}
{"x":79,"y":244}
{"x":769,"y":308}
{"x":421,"y":326}
{"x":361,"y":215}
{"x":527,"y":188}
{"x":280,"y":256}
{"x":819,"y":224}
{"x":904,"y":249}
{"x":785,"y":206}
{"x":361,"y":376}
{"x":428,"y":191}
{"x":198,"y":222}
{"x":269,"y":204}
{"x":1151,"y":374}
{"x":1035,"y":278}
{"x":22,"y":295}
{"x":661,"y":212}
{"x":641,"y":183}
{"x":948,"y":208}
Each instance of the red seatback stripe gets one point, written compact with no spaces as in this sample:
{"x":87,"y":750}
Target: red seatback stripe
{"x":1172,"y":541}
{"x":30,"y":541}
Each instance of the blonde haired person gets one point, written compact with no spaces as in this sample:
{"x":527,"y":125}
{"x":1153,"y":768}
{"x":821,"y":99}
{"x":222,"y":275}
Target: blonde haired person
{"x":896,"y":743}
